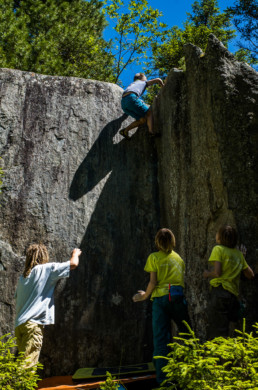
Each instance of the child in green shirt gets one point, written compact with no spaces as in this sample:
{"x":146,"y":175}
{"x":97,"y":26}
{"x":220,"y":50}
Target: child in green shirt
{"x":166,"y":285}
{"x":228,"y":264}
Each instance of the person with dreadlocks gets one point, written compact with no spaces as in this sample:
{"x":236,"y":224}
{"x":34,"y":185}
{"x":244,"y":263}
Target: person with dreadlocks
{"x":35,"y":298}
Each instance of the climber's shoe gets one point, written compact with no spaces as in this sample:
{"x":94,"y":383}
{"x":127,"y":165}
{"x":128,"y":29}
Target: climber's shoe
{"x":124,"y":133}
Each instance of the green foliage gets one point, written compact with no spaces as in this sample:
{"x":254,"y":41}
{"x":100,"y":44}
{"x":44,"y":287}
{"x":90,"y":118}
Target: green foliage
{"x":13,"y":372}
{"x":207,"y":13}
{"x":152,"y":92}
{"x":205,"y":19}
{"x":137,"y":28}
{"x":55,"y":37}
{"x":245,"y":15}
{"x":221,"y":364}
{"x":246,"y":55}
{"x":109,"y":384}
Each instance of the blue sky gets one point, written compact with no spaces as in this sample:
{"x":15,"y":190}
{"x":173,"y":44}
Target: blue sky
{"x":174,"y":13}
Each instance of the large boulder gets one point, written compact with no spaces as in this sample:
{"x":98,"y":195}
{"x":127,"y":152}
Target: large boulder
{"x":72,"y":181}
{"x":208,"y":156}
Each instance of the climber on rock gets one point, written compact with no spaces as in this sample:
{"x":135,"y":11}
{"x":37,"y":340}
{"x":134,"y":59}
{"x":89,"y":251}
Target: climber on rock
{"x":132,"y":104}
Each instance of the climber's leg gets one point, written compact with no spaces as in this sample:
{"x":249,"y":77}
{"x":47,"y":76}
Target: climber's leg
{"x":136,"y":108}
{"x":133,"y":125}
{"x":149,"y":119}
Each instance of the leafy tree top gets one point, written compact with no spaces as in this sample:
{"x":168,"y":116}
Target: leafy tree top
{"x":137,"y":27}
{"x":205,"y":19}
{"x":245,"y":16}
{"x":55,"y":37}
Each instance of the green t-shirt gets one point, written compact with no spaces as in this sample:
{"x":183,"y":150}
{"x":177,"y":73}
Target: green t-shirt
{"x":170,"y":269}
{"x":232,"y":262}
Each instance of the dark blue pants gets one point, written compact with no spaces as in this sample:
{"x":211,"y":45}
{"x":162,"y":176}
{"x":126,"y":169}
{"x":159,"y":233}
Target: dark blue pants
{"x":163,"y":311}
{"x":223,"y":309}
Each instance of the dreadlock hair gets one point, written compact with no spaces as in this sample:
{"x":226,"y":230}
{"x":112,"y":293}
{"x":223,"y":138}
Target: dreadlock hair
{"x":165,"y":240}
{"x":35,"y":254}
{"x":227,"y":236}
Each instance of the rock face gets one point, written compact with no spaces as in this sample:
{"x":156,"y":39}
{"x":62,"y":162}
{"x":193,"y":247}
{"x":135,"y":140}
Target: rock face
{"x":70,"y":180}
{"x":208,"y":157}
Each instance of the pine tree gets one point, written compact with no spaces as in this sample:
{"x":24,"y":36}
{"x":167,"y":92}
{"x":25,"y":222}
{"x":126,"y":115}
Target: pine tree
{"x":245,"y":17}
{"x":205,"y":19}
{"x":55,"y":37}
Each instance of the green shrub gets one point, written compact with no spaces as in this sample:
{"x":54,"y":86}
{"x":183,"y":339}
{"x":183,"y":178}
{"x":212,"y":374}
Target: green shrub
{"x":13,"y":372}
{"x":221,"y":364}
{"x":110,"y":383}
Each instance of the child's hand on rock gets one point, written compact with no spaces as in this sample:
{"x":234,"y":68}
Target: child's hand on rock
{"x":140,"y":296}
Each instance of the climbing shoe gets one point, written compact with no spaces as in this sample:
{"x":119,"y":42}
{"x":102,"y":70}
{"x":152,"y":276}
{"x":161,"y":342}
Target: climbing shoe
{"x":124,"y":133}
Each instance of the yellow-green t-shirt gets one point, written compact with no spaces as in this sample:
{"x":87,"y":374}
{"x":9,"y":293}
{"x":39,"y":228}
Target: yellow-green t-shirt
{"x":232,"y":262}
{"x":170,"y":269}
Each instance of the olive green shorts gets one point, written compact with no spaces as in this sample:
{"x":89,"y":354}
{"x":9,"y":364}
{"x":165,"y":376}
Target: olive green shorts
{"x":29,"y":337}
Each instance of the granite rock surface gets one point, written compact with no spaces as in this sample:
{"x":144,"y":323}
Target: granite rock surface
{"x":207,"y":164}
{"x":72,"y":181}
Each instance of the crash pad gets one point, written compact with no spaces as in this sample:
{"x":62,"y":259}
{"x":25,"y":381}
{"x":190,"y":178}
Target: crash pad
{"x":67,"y":383}
{"x":118,"y":371}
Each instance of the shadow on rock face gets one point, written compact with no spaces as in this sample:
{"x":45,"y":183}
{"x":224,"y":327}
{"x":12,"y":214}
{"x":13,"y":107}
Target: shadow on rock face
{"x":105,"y":326}
{"x":98,"y":162}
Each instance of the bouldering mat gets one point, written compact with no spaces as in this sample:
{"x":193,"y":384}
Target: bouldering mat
{"x":67,"y":383}
{"x":119,"y":371}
